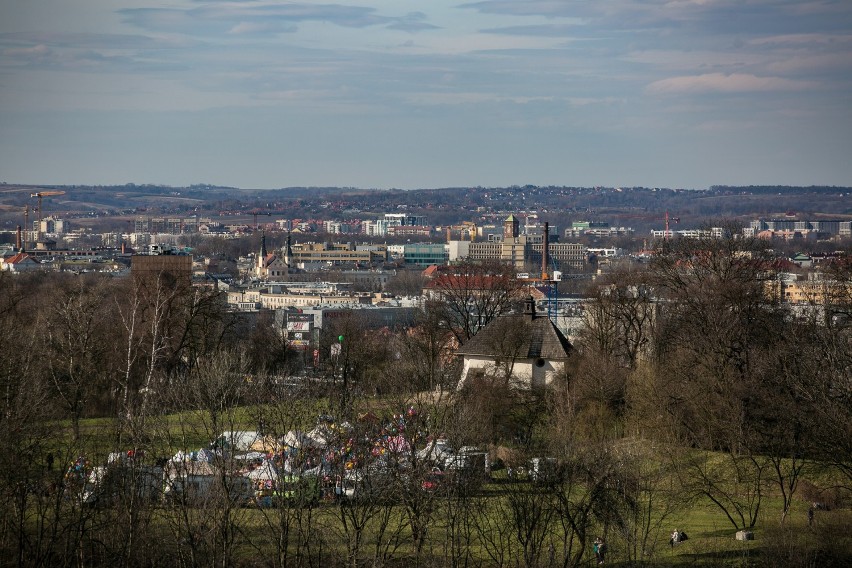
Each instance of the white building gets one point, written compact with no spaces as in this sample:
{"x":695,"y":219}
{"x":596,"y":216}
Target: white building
{"x":526,"y":350}
{"x":20,"y":262}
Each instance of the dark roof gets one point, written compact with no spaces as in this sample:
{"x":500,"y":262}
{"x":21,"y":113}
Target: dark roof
{"x":524,"y":336}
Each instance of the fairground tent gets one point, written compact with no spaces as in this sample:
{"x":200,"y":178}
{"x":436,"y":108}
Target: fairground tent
{"x":298,"y":439}
{"x":264,"y":472}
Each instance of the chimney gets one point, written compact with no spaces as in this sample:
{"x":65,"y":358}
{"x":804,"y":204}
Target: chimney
{"x":545,"y":252}
{"x":123,"y":247}
{"x":529,"y":307}
{"x":18,"y":243}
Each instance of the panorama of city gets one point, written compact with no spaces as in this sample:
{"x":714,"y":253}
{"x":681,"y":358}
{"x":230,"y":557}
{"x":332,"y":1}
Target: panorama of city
{"x":471,"y":376}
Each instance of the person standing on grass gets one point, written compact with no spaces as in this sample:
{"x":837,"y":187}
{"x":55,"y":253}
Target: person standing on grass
{"x":600,"y":549}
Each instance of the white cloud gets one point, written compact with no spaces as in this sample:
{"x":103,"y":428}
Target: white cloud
{"x":722,"y":83}
{"x":590,"y":101}
{"x":458,"y":98}
{"x":726,"y":125}
{"x":260,"y":28}
{"x":802,"y":39}
{"x":697,"y":59}
{"x":839,"y":64}
{"x":36,"y":51}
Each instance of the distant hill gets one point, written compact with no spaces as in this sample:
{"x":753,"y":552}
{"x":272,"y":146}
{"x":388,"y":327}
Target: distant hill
{"x":639,"y":207}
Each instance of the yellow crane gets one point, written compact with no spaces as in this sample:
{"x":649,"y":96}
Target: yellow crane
{"x":39,"y":195}
{"x":471,"y":228}
{"x":466,"y":228}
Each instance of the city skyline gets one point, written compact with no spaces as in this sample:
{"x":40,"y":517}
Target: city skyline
{"x":380,"y":94}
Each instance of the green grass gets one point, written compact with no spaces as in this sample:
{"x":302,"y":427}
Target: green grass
{"x":711,"y":536}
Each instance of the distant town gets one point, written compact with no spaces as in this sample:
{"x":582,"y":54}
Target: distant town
{"x":338,"y":248}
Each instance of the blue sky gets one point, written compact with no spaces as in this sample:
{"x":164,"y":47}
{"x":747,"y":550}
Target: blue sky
{"x":407,"y":93}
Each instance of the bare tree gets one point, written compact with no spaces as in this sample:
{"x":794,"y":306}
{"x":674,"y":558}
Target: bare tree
{"x":415,"y":479}
{"x":208,"y":514}
{"x":473,"y":294}
{"x":720,"y":327}
{"x":406,"y":283}
{"x":268,"y":348}
{"x":819,"y":370}
{"x":621,"y":317}
{"x":424,"y":353}
{"x":355,"y":360}
{"x":651,"y":495}
{"x":76,"y":345}
{"x":365,"y":503}
{"x":291,"y":514}
{"x":589,"y":480}
{"x":31,"y":468}
{"x":717,"y":306}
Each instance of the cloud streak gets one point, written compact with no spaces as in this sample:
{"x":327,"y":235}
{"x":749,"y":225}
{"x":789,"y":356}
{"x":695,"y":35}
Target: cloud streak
{"x":730,"y":83}
{"x":213,"y":18}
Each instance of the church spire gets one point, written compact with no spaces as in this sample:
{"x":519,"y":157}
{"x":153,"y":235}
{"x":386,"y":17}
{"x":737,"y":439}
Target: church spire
{"x":288,"y":252}
{"x":260,"y":263}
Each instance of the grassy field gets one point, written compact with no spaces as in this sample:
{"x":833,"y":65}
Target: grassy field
{"x":827,"y":542}
{"x":711,"y":540}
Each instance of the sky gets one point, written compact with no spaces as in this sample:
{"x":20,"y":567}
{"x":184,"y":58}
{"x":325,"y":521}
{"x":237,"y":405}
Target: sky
{"x":426,"y":93}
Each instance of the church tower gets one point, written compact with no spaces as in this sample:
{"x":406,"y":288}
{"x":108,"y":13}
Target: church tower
{"x":510,"y":228}
{"x":288,"y":252}
{"x":260,"y":262}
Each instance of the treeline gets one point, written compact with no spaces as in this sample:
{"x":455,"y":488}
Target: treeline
{"x":451,"y":205}
{"x":779,"y":189}
{"x":692,"y":385}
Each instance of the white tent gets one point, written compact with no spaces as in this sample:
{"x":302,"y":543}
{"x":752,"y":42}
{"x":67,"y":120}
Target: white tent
{"x":180,"y":457}
{"x":239,"y":440}
{"x":250,"y":456}
{"x":205,"y":455}
{"x":436,"y":451}
{"x":319,"y":435}
{"x":265,"y":472}
{"x":197,"y":468}
{"x":297,"y":439}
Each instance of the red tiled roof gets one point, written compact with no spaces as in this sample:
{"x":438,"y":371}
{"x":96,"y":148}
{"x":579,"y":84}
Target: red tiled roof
{"x":431,"y":271}
{"x":18,"y":258}
{"x":268,"y":259}
{"x":466,"y":281}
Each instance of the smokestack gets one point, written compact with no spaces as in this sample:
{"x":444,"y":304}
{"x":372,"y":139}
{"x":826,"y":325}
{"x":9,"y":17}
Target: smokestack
{"x":545,"y":251}
{"x":123,"y":247}
{"x":18,"y":240}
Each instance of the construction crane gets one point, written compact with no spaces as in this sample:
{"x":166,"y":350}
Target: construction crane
{"x":471,"y":229}
{"x":254,"y":215}
{"x":667,"y":219}
{"x":27,"y":229}
{"x":465,"y":228}
{"x":39,"y":195}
